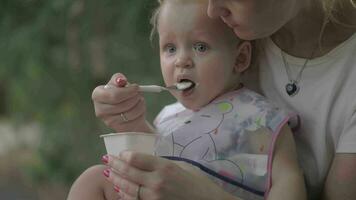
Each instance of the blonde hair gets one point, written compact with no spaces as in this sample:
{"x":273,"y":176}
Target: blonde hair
{"x":154,"y":19}
{"x":331,"y":9}
{"x":331,"y":15}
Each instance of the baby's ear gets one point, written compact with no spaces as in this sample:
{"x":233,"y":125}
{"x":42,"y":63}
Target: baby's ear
{"x":243,"y":56}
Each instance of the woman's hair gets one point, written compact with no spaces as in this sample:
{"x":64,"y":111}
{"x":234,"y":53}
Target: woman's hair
{"x":332,"y":14}
{"x":332,"y":7}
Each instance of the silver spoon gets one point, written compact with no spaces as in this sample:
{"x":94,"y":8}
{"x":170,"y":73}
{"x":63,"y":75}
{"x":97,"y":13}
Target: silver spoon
{"x":156,"y":88}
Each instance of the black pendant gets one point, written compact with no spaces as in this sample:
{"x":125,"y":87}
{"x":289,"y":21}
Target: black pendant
{"x":292,"y":89}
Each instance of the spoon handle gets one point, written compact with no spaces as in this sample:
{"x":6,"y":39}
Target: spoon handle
{"x":152,"y":88}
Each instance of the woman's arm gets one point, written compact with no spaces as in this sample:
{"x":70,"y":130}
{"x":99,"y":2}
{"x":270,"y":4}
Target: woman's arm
{"x":341,"y":180}
{"x":161,"y":179}
{"x":164,"y":179}
{"x":287,"y":178}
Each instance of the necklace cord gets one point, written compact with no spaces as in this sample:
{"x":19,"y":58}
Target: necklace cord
{"x":288,"y":70}
{"x":292,"y":88}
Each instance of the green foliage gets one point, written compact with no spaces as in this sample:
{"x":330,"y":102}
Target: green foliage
{"x":38,"y":39}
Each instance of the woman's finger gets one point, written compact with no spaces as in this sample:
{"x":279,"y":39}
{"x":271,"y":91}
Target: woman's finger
{"x":123,"y":187}
{"x":143,"y":161}
{"x":121,"y":82}
{"x":121,"y":125}
{"x":118,"y":80}
{"x":127,"y":189}
{"x":137,"y":111}
{"x":114,"y":95}
{"x":102,"y":110}
{"x":124,"y":196}
{"x":126,"y":171}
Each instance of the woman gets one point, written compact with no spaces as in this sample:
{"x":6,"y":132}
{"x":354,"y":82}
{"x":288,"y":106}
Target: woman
{"x":307,"y":64}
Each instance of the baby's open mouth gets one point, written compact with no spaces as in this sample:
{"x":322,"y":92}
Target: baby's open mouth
{"x":185,"y":85}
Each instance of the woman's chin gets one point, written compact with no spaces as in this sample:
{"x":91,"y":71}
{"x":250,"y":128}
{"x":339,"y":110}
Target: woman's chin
{"x":249,"y":34}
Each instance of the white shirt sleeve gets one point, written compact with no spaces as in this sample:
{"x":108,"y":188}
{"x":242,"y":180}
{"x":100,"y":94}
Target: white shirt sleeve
{"x":167,"y":111}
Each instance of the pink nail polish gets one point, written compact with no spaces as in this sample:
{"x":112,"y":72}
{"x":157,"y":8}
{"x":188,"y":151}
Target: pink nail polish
{"x":105,"y":159}
{"x":117,"y":189}
{"x":121,"y":82}
{"x":106,"y":173}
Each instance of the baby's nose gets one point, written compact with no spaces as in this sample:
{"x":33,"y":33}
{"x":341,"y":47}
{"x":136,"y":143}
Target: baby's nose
{"x":184,"y":62}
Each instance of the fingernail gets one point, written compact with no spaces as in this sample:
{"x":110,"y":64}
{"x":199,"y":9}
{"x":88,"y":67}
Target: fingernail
{"x":106,"y":173}
{"x":105,"y":159}
{"x":117,"y":189}
{"x":121,"y":82}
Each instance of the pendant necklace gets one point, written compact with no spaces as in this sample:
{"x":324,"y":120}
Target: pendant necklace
{"x":292,"y":87}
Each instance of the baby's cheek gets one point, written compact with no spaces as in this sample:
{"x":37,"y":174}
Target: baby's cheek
{"x":167,"y":76}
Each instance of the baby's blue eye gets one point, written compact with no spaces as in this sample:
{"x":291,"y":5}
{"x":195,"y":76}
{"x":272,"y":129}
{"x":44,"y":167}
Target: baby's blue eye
{"x":201,"y":47}
{"x":170,"y":48}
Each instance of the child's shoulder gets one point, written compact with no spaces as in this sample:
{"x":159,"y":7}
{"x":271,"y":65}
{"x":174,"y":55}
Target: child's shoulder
{"x":169,"y":110}
{"x":247,"y":98}
{"x":250,"y":107}
{"x":172,"y":108}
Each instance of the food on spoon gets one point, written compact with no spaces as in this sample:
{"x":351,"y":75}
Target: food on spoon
{"x":184,"y":85}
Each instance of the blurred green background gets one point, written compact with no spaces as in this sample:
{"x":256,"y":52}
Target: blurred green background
{"x":53,"y":54}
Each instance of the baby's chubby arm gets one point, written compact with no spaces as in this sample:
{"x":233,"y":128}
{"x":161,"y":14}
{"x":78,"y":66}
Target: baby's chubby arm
{"x":287,"y":178}
{"x":121,"y":106}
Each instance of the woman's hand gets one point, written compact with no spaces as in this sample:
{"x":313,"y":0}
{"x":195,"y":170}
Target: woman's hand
{"x":120,"y":105}
{"x":146,"y":177}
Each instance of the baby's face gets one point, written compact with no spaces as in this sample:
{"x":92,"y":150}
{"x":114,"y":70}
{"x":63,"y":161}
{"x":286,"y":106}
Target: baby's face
{"x":196,"y":48}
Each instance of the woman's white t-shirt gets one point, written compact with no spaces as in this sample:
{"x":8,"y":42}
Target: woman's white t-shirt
{"x":326,"y":104}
